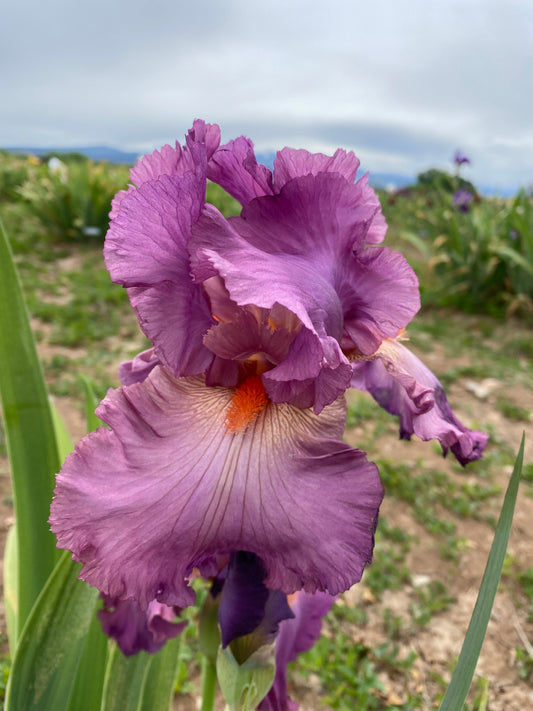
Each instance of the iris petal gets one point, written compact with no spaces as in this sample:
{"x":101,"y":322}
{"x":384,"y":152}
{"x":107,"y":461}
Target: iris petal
{"x":169,"y":487}
{"x":404,"y":386}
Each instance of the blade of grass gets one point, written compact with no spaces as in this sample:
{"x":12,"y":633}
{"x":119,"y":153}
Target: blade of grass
{"x":461,"y":680}
{"x":30,"y":437}
{"x":91,"y":403}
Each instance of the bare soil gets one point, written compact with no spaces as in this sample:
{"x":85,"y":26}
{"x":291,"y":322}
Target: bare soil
{"x":439,"y":643}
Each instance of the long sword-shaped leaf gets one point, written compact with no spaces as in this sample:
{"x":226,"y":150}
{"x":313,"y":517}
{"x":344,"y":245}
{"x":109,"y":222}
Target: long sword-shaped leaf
{"x":52,"y":643}
{"x":143,"y":682}
{"x":464,"y":671}
{"x":11,"y":584}
{"x":125,"y":681}
{"x":30,"y":437}
{"x":87,"y":691}
{"x":91,"y":403}
{"x":63,"y":439}
{"x":159,"y":688}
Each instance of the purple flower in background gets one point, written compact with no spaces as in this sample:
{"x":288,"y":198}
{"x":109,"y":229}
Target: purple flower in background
{"x":226,"y":437}
{"x":462,"y":199}
{"x":460,"y":159}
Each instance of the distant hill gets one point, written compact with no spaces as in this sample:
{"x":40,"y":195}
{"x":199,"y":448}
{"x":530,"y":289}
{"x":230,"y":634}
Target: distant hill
{"x":113,"y":155}
{"x":393,"y":181}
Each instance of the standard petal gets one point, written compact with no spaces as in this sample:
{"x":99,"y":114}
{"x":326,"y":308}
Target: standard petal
{"x":298,"y":284}
{"x":378,"y":228}
{"x":146,"y":251}
{"x":235,"y":168}
{"x":404,"y":386}
{"x":171,"y":486}
{"x":380,"y":299}
{"x":175,"y":315}
{"x":291,"y":163}
{"x":147,"y":242}
{"x":171,"y":160}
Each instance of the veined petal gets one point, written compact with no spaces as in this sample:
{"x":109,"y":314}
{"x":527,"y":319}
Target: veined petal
{"x":404,"y":386}
{"x":146,"y":251}
{"x":147,"y":242}
{"x":235,"y":168}
{"x":378,"y":228}
{"x":171,"y":160}
{"x":175,"y":315}
{"x":265,"y":280}
{"x":380,"y":300}
{"x":137,"y":370}
{"x":291,"y":163}
{"x":170,"y":486}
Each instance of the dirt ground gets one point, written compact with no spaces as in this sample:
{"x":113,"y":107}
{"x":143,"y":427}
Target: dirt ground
{"x":439,"y":643}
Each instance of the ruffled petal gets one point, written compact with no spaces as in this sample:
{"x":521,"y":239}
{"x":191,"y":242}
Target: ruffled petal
{"x":171,"y":485}
{"x":265,"y":280}
{"x":138,"y":369}
{"x":404,"y":386}
{"x":323,"y":217}
{"x":135,"y":629}
{"x":235,"y":168}
{"x":146,"y":242}
{"x":170,"y":160}
{"x":292,"y":163}
{"x":381,"y":298}
{"x":175,"y":316}
{"x":146,"y":251}
{"x":378,"y":227}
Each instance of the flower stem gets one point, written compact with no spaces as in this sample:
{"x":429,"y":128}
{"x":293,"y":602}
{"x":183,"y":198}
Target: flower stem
{"x":209,"y":684}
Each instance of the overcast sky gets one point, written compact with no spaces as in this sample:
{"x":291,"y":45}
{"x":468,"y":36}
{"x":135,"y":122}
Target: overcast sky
{"x":402,"y":82}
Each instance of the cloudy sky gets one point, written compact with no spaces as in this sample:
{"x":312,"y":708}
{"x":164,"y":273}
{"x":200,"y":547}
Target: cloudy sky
{"x":402,"y":82}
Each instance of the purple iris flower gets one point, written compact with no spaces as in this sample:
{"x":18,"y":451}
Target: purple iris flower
{"x":226,"y":436}
{"x":462,"y":199}
{"x":460,"y":159}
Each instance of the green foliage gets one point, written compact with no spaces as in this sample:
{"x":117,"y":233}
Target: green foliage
{"x":388,"y":570}
{"x":477,"y":260}
{"x":350,"y":672}
{"x":218,"y":197}
{"x":434,"y":179}
{"x":526,"y":581}
{"x":13,"y":174}
{"x":525,"y":664}
{"x":72,"y":201}
{"x":512,"y":411}
{"x":431,"y":599}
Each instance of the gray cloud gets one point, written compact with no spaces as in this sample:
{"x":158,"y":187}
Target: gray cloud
{"x":403,"y":82}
